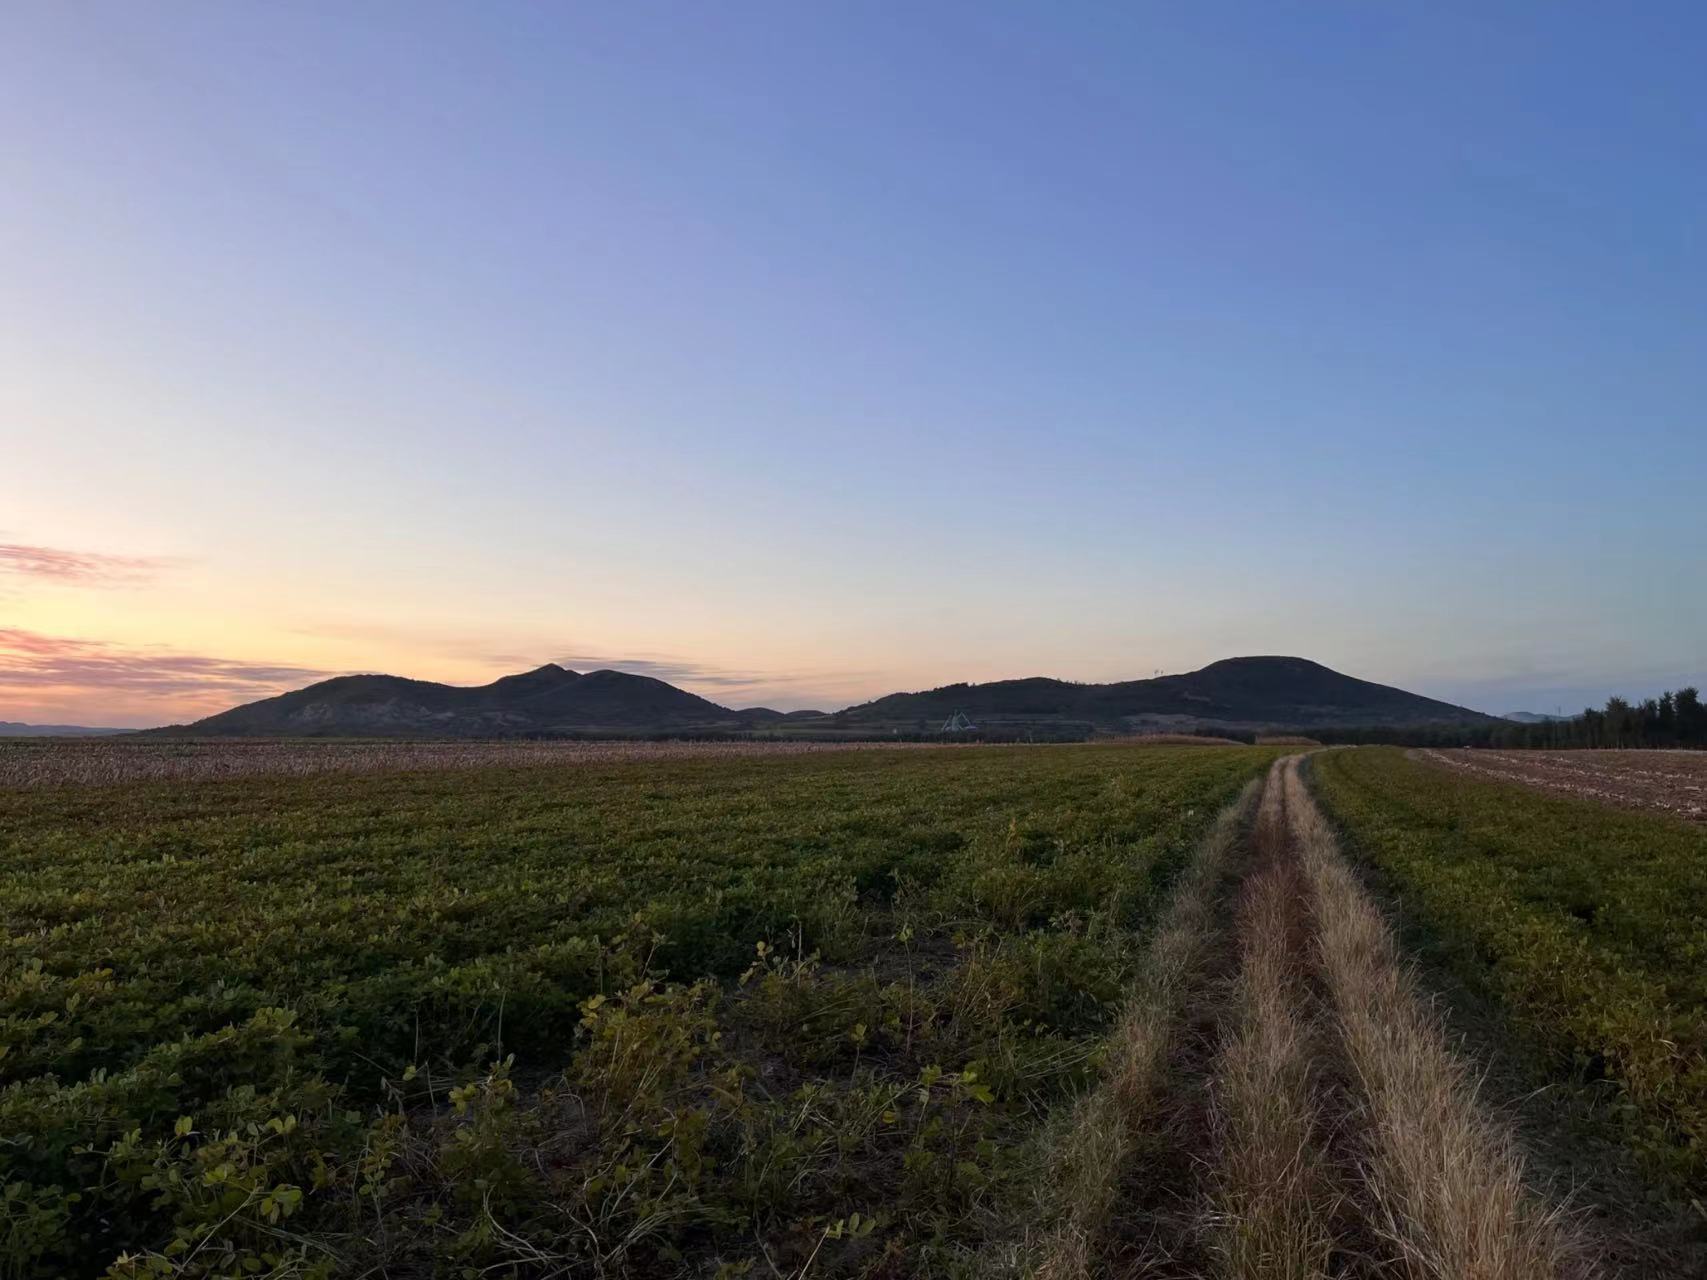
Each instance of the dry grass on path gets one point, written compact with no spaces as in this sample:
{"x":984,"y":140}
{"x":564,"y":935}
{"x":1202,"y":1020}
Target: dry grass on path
{"x":1092,"y":1158}
{"x":1341,"y":1135}
{"x":1446,"y":1184}
{"x":1274,"y":1198}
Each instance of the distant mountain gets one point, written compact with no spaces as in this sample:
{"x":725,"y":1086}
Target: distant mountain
{"x":15,"y":729}
{"x":1532,"y":717}
{"x":1239,"y":693}
{"x":761,"y":715}
{"x":548,"y":699}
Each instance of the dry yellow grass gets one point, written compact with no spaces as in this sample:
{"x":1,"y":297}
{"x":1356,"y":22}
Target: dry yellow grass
{"x":1273,"y":1197}
{"x":1092,"y":1156}
{"x":1446,"y":1187}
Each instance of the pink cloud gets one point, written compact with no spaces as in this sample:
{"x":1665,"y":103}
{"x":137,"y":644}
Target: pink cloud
{"x":82,"y":568}
{"x":43,"y":676}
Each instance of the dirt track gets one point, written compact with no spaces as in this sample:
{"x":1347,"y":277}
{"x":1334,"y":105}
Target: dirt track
{"x":1313,"y":1120}
{"x":1672,"y":782}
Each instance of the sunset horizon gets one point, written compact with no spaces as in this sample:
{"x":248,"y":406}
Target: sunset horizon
{"x":85,"y":640}
{"x":801,"y":357}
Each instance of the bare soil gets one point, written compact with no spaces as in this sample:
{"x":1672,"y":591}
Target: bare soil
{"x":1673,"y":782}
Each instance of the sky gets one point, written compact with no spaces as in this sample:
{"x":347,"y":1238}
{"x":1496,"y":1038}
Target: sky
{"x":801,"y":353}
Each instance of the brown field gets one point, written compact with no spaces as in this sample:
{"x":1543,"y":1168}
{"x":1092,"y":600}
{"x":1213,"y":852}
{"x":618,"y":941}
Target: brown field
{"x":1180,"y":740}
{"x":1672,"y":782}
{"x":47,"y":762}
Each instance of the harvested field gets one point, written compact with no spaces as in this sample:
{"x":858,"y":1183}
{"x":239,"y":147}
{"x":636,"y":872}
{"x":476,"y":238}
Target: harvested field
{"x":1672,"y":782}
{"x":1180,"y":740}
{"x":48,"y":762}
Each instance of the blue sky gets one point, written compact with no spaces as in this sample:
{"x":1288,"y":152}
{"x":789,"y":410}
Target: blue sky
{"x":804,"y":352}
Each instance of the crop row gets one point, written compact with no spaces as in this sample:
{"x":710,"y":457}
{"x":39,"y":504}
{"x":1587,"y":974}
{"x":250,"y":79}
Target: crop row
{"x":55,"y":762}
{"x":1587,"y":924}
{"x":522,"y":1018}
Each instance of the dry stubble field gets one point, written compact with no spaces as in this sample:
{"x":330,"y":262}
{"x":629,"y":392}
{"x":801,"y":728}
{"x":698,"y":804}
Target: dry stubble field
{"x":1672,"y":782}
{"x":1063,"y":1011}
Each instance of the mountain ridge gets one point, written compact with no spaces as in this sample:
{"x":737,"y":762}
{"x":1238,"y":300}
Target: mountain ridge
{"x":547,"y":699}
{"x":1247,"y":694}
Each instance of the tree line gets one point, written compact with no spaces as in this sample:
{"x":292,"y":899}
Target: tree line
{"x":1671,"y":720}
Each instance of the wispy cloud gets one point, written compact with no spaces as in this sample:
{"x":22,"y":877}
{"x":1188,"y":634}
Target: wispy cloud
{"x":674,"y":670}
{"x":78,"y":568}
{"x":47,"y":670}
{"x":786,"y":688}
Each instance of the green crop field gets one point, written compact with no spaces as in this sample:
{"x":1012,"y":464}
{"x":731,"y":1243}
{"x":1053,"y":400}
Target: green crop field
{"x":718,"y":1014}
{"x":734,"y":1010}
{"x":1587,"y":923}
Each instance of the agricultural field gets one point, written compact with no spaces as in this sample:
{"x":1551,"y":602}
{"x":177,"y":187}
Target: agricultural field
{"x":694,"y":1012}
{"x":1585,"y":923}
{"x":1056,"y":1011}
{"x":1672,"y":782}
{"x":49,"y":762}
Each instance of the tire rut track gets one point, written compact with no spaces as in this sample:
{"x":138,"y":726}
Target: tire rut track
{"x":1307,"y":1120}
{"x":1157,"y":1234}
{"x":1440,"y":1183}
{"x":1240,"y":1176}
{"x":1111,"y":1137}
{"x":1277,"y":1201}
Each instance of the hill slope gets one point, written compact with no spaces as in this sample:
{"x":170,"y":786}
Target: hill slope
{"x":549,"y":699}
{"x":1243,"y":693}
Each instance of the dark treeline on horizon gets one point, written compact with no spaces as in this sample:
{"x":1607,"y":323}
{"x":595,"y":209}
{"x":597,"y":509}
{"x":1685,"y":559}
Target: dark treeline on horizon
{"x":1671,"y":720}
